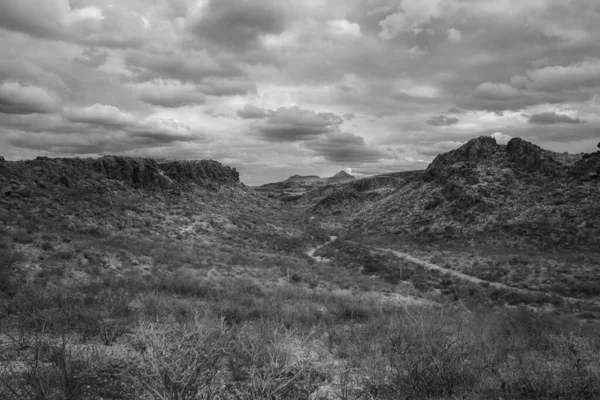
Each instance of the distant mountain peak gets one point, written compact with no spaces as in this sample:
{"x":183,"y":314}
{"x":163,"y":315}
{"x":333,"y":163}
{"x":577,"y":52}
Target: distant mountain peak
{"x":342,"y":175}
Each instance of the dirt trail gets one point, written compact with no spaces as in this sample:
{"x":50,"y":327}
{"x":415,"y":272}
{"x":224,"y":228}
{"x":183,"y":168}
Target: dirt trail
{"x":457,"y":274}
{"x":473,"y":279}
{"x":311,"y":252}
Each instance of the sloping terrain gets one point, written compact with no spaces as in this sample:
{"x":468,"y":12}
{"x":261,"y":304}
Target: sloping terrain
{"x":124,"y":278}
{"x":349,"y":197}
{"x":295,"y":186}
{"x":514,"y":214}
{"x":518,"y":191}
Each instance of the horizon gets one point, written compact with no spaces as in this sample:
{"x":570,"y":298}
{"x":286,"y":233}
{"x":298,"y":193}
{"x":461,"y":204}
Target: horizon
{"x":313,"y":87}
{"x":259,"y":182}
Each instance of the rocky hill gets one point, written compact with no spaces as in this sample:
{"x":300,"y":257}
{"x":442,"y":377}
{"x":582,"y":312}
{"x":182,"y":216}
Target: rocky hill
{"x":295,"y":186}
{"x":351,"y":196}
{"x":517,"y":192}
{"x":137,"y":196}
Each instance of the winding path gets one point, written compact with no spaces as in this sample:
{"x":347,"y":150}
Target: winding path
{"x":473,"y":279}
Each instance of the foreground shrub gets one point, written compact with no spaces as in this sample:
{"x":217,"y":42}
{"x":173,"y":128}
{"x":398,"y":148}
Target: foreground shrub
{"x":180,"y":362}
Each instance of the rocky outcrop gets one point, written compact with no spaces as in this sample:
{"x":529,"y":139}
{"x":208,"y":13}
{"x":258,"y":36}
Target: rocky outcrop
{"x":142,"y":173}
{"x":3,"y":163}
{"x":588,"y":167}
{"x":471,"y":152}
{"x":200,"y":172}
{"x":532,"y":157}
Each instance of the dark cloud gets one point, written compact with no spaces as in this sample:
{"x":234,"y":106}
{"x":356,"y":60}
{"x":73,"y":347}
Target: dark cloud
{"x":191,"y":67}
{"x":251,"y":112}
{"x":442,"y":120}
{"x":497,"y":97}
{"x":227,"y":87}
{"x":550,"y":118}
{"x":17,"y":99}
{"x":495,"y":91}
{"x":237,"y":24}
{"x":296,"y":124}
{"x":110,"y":118}
{"x":556,"y":132}
{"x":345,"y":148}
{"x":583,"y":74}
{"x":39,"y":19}
{"x":454,"y":110}
{"x":172,"y":97}
{"x":92,"y":57}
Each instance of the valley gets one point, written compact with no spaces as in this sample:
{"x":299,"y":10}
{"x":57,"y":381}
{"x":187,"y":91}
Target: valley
{"x":128,"y":278}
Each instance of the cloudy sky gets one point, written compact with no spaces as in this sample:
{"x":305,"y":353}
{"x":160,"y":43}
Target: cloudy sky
{"x":279,"y":87}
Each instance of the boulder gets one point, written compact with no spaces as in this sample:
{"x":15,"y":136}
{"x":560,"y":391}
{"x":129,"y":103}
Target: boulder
{"x":532,"y":157}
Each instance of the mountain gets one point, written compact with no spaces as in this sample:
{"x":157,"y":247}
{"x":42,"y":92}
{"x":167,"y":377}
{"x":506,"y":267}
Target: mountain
{"x":296,"y":185}
{"x":341,"y":176}
{"x":133,"y":196}
{"x":517,"y":191}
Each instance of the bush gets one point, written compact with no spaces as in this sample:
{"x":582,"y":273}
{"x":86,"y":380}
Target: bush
{"x":180,"y":362}
{"x":8,"y":270}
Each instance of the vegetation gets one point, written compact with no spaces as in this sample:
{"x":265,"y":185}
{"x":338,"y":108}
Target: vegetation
{"x":193,"y":292}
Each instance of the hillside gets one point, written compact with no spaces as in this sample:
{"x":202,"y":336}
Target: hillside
{"x":297,"y":185}
{"x":348,"y":197}
{"x":518,"y":192}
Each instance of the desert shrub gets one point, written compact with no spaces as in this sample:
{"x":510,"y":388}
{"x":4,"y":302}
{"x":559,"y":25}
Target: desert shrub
{"x":63,"y":370}
{"x":8,"y":269}
{"x":180,"y":362}
{"x":422,"y":353}
{"x":269,"y":362}
{"x":23,"y":236}
{"x":186,"y":286}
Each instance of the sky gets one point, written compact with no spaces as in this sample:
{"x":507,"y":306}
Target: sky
{"x":282,"y":87}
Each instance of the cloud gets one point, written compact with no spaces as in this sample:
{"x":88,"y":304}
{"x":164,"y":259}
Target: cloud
{"x":573,"y":76}
{"x":495,"y":91}
{"x":194,"y":66}
{"x":92,"y":57}
{"x":237,"y":24}
{"x":227,"y":87}
{"x":198,"y":78}
{"x":100,"y":114}
{"x":102,"y":25}
{"x":454,"y":35}
{"x":251,"y":112}
{"x":438,"y":148}
{"x":410,"y":18}
{"x":153,"y":127}
{"x":41,"y":19}
{"x":501,"y":138}
{"x":442,"y":120}
{"x":164,"y":130}
{"x":342,"y":28}
{"x":18,"y":99}
{"x":345,"y":148}
{"x":172,"y":95}
{"x":549,"y":118}
{"x":291,"y":124}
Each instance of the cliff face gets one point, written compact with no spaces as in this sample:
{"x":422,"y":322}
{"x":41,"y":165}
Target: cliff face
{"x":142,"y":173}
